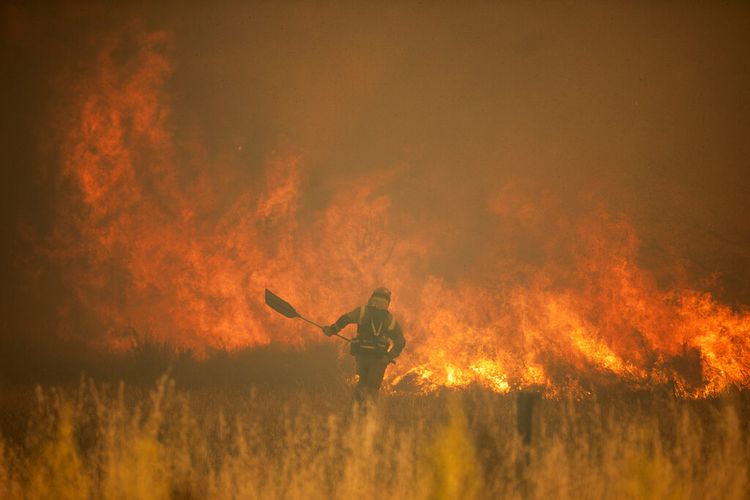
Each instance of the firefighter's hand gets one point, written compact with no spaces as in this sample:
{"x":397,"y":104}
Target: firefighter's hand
{"x":329,"y":331}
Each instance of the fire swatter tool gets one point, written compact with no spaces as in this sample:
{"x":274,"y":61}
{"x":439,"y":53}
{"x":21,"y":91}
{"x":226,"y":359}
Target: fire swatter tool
{"x":284,"y":308}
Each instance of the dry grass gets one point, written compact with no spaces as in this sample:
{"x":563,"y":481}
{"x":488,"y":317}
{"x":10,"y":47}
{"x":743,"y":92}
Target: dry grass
{"x":98,"y":441}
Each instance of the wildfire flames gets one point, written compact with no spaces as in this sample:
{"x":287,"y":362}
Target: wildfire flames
{"x":153,"y":234}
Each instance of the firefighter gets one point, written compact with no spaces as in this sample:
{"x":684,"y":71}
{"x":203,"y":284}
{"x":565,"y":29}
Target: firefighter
{"x":379,"y":341}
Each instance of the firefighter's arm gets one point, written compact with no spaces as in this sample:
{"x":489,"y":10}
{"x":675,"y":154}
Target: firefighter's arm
{"x":342,"y":322}
{"x":397,"y":336}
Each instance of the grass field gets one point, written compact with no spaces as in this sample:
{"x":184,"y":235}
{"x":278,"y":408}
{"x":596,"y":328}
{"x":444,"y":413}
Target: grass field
{"x":91,"y":440}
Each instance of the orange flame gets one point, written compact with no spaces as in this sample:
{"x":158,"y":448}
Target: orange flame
{"x":148,"y":240}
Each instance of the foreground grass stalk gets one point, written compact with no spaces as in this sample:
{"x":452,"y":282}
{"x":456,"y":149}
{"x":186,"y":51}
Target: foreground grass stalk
{"x":97,"y":441}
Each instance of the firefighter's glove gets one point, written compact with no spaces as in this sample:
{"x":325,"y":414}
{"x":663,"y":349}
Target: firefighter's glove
{"x":330,"y":330}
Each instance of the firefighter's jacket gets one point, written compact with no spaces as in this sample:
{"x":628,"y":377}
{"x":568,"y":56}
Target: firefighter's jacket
{"x":377,"y":330}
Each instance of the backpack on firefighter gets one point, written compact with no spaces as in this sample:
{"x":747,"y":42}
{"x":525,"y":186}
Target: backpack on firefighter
{"x":373,"y":334}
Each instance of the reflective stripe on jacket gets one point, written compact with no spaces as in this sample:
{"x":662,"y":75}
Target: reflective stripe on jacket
{"x":375,"y":326}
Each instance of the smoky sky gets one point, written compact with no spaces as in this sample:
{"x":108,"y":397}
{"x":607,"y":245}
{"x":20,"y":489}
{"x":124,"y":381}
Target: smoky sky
{"x":644,"y":106}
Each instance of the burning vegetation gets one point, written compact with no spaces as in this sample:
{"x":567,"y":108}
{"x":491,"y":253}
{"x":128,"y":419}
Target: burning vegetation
{"x":550,"y":296}
{"x":551,"y":199}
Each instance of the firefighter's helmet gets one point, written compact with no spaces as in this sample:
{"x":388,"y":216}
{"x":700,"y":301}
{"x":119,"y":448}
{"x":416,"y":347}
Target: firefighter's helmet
{"x":380,"y":298}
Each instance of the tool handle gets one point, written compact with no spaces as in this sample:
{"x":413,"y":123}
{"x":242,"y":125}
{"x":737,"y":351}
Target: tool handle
{"x":321,"y":327}
{"x":311,"y":322}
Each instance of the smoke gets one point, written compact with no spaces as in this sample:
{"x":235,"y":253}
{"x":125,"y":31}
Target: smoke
{"x":547,"y":189}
